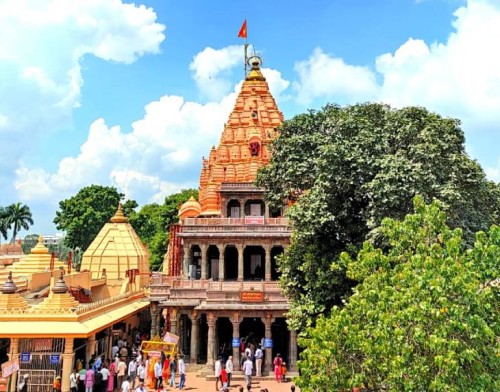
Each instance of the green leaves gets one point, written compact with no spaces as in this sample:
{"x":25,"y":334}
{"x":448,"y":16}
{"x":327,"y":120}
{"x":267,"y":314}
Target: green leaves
{"x":423,"y":318}
{"x":16,"y":216}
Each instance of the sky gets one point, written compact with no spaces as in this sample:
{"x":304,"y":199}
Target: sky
{"x":133,"y":95}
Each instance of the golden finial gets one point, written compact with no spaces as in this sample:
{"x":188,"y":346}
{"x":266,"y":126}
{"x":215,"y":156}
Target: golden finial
{"x":119,"y":217}
{"x":255,"y":74}
{"x":60,"y":287}
{"x":9,"y":287}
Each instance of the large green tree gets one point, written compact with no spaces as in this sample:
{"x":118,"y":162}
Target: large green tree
{"x":424,"y":316}
{"x":345,"y":168}
{"x":152,"y":221}
{"x":16,"y":216}
{"x":83,"y":215}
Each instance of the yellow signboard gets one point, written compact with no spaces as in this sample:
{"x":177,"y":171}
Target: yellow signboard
{"x":157,"y":345}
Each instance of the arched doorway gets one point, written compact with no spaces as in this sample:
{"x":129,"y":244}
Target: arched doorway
{"x":275,"y":252}
{"x":230,"y":263}
{"x":224,"y":337}
{"x":253,"y":263}
{"x":213,"y":262}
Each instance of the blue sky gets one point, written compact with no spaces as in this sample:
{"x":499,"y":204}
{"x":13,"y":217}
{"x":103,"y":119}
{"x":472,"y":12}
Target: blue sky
{"x":134,"y":94}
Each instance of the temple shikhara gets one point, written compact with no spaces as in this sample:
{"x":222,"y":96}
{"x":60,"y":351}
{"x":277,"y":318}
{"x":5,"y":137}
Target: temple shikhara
{"x":52,"y":316}
{"x":219,"y":283}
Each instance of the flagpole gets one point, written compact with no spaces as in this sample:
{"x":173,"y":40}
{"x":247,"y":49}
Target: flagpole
{"x":246,"y":58}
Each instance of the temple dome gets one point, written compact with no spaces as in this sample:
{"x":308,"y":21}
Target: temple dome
{"x":190,"y":209}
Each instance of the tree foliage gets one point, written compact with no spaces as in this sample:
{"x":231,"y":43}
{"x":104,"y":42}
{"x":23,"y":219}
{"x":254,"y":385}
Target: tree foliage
{"x":83,"y":215}
{"x":152,"y":221}
{"x":16,"y":216}
{"x":424,"y":316}
{"x":344,"y":169}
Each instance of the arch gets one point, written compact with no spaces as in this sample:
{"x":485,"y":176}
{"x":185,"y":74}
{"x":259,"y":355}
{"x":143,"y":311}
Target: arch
{"x":275,"y":252}
{"x":233,"y":209}
{"x":231,"y":263}
{"x":253,"y":263}
{"x":213,"y":262}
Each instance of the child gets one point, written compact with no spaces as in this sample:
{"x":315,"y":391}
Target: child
{"x":283,"y":372}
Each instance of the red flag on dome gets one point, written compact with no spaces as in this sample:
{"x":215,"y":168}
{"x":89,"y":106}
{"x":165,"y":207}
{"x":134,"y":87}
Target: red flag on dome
{"x":243,"y":30}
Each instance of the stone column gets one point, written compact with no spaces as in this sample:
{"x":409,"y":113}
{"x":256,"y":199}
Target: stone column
{"x":195,"y":334}
{"x":221,"y":262}
{"x":204,"y":261}
{"x":153,"y":309}
{"x":242,"y":208}
{"x":90,"y":348}
{"x":210,"y":340}
{"x":268,"y":320}
{"x":67,"y":367}
{"x":293,"y":351}
{"x":14,"y":352}
{"x":241,"y":249}
{"x":186,"y":259}
{"x":267,"y":268}
{"x":266,"y":211}
{"x":173,"y":321}
{"x":236,"y":320}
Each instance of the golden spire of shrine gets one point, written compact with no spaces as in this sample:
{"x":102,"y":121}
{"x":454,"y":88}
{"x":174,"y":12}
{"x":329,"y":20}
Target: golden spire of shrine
{"x":119,"y":217}
{"x":10,"y":299}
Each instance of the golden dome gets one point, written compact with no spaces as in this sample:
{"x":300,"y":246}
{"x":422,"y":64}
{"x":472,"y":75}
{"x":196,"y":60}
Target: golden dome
{"x":119,"y":217}
{"x":190,"y":209}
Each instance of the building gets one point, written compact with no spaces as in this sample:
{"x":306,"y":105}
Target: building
{"x":220,"y":278}
{"x":63,"y":315}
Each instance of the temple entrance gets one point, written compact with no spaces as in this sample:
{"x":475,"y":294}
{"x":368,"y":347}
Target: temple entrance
{"x":252,"y":330}
{"x":275,"y":252}
{"x":224,"y":329}
{"x":213,"y":262}
{"x":253,"y":263}
{"x":185,"y":335}
{"x":231,"y":263}
{"x":202,"y":346}
{"x":281,"y":339}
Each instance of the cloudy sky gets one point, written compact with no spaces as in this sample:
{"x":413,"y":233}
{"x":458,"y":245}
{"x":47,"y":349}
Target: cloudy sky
{"x":134,"y":94}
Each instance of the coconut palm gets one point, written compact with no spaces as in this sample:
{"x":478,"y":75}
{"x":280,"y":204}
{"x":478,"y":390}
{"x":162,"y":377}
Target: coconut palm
{"x":17,"y":217}
{"x":3,"y":223}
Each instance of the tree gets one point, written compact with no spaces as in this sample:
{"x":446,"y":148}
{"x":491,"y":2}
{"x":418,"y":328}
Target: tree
{"x":29,"y":243}
{"x":152,"y":221}
{"x":424,"y":316}
{"x":344,"y":169}
{"x":17,"y":217}
{"x":83,"y":215}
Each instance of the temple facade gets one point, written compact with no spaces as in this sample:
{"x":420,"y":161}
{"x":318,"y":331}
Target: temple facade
{"x":219,"y":283}
{"x":51,"y":316}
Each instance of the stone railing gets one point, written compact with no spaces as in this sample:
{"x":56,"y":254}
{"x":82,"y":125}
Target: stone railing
{"x":233,"y":222}
{"x":84,"y":308}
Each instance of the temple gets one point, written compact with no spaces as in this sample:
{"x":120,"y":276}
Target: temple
{"x":51,"y":315}
{"x":219,"y":283}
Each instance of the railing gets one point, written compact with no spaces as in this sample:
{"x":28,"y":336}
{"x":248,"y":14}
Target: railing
{"x":84,"y":308}
{"x":232,"y":222}
{"x":176,"y":283}
{"x":240,"y":185}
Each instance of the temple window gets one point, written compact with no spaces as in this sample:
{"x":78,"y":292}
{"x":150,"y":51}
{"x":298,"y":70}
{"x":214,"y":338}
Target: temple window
{"x":234,"y":209}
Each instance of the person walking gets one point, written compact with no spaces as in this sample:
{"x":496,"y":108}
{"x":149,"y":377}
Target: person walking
{"x":132,"y":373}
{"x":277,"y":367}
{"x":141,"y":387}
{"x":173,"y":369}
{"x":229,"y":370}
{"x":258,"y":361}
{"x":122,"y":373}
{"x":73,"y":381}
{"x":89,"y":380}
{"x":105,"y":376}
{"x":165,"y":373}
{"x":182,"y":371}
{"x":158,"y":377}
{"x":247,"y":371}
{"x":217,"y":370}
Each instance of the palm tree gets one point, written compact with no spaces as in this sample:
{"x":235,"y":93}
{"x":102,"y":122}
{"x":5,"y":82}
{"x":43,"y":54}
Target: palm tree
{"x":3,"y":223}
{"x":18,"y":216}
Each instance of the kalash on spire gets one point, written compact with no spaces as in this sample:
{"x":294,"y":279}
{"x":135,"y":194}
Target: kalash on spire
{"x":244,"y":143}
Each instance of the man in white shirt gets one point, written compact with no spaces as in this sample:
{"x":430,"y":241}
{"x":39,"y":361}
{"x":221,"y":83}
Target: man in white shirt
{"x":247,"y":371}
{"x":73,"y":381}
{"x":140,"y":388}
{"x":126,"y":386}
{"x":229,"y":370}
{"x":158,"y":373}
{"x":132,"y":371}
{"x":141,"y":372}
{"x":258,"y":362}
{"x":218,"y":368}
{"x":182,"y":371}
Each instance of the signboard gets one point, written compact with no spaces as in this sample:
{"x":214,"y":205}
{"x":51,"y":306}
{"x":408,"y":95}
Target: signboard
{"x":10,"y":367}
{"x":236,"y":342}
{"x":154,"y":354}
{"x":25,"y":357}
{"x":254,"y":220}
{"x":43,"y":345}
{"x":170,"y":338}
{"x":268,"y":343}
{"x":252,"y":296}
{"x":54,"y":359}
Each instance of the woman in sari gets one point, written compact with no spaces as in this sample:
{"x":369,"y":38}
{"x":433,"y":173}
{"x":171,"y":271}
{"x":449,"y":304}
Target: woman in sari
{"x":111,"y":377}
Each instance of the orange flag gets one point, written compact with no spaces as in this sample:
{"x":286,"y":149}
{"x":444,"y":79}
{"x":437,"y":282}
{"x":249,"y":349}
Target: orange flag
{"x":243,"y":30}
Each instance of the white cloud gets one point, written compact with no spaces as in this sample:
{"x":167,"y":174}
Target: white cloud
{"x":40,"y":50}
{"x":493,"y":173}
{"x":322,"y":75}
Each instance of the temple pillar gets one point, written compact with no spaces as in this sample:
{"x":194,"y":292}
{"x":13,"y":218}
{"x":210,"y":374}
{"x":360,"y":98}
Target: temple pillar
{"x":153,"y":309}
{"x":67,"y":366}
{"x":211,"y":339}
{"x":221,"y":262}
{"x":90,"y":347}
{"x":173,"y":321}
{"x":293,"y":351}
{"x":268,"y":356}
{"x":241,"y":249}
{"x":266,"y":211}
{"x":204,"y":262}
{"x":242,"y":208}
{"x":14,"y":352}
{"x":267,"y":269}
{"x":236,"y":320}
{"x":185,"y":261}
{"x":195,"y":334}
